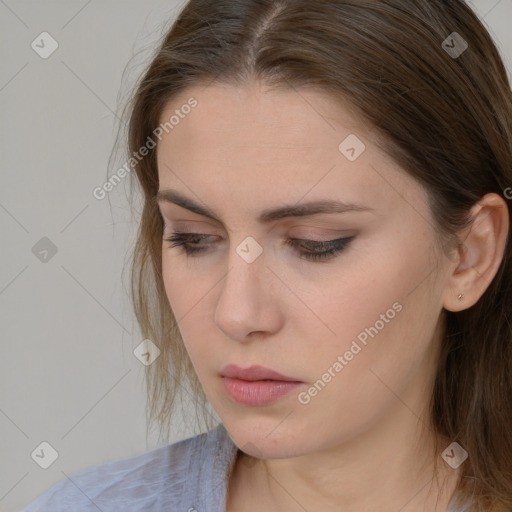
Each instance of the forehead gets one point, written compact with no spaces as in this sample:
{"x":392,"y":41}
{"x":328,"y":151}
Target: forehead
{"x":283,"y":144}
{"x":253,"y":115}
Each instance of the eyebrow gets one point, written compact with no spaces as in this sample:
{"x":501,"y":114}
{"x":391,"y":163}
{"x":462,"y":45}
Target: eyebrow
{"x":296,"y":210}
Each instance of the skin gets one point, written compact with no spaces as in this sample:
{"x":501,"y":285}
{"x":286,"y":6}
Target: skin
{"x":364,"y":442}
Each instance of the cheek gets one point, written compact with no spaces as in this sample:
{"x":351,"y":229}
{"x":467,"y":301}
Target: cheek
{"x":384,"y":318}
{"x":183,"y":291}
{"x":186,"y":298}
{"x":381,"y":304}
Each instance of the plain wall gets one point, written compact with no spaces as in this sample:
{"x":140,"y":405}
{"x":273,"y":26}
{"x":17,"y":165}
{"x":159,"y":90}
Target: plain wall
{"x":68,"y":373}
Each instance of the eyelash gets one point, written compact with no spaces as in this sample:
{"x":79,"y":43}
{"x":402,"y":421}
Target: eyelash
{"x":179,"y":239}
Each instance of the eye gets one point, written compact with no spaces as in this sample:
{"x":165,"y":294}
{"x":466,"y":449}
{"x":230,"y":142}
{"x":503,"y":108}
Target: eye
{"x":189,"y":243}
{"x":182,"y":241}
{"x":319,"y":250}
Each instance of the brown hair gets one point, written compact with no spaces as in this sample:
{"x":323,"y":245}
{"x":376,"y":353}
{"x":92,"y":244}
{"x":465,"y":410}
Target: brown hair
{"x":447,"y":120}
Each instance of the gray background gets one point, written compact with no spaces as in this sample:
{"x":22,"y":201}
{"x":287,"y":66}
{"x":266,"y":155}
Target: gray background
{"x":68,"y":373}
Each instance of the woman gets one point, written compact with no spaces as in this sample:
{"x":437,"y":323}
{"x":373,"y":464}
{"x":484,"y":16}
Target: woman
{"x":324,"y":255}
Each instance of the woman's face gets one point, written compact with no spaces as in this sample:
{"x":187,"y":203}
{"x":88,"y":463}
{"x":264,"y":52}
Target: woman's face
{"x":358,"y":330}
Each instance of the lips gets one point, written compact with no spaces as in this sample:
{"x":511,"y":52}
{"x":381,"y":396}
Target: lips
{"x":255,"y":373}
{"x":256,"y":386}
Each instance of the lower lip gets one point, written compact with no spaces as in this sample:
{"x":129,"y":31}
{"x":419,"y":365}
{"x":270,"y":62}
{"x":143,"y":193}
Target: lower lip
{"x":259,"y":392}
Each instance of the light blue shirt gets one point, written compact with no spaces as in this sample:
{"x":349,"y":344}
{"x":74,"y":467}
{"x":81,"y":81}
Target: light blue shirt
{"x":188,"y":476}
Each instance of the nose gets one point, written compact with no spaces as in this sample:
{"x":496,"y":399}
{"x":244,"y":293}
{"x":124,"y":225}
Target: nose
{"x":248,"y":301}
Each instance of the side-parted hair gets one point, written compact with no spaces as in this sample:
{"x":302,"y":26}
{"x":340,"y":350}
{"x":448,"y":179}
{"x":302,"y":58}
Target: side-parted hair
{"x":446,"y":119}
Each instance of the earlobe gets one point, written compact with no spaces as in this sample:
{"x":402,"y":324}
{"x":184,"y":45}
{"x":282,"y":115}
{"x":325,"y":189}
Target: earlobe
{"x":479,"y":255}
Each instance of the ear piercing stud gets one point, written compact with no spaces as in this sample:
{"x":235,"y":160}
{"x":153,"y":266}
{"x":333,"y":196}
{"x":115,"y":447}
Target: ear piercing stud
{"x":460,"y":296}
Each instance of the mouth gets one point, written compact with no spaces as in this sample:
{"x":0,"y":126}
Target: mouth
{"x":256,"y":385}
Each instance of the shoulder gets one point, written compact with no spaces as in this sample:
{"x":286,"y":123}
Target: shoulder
{"x":171,"y":476}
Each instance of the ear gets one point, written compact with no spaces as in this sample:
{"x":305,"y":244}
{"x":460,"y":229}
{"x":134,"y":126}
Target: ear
{"x":480,"y":253}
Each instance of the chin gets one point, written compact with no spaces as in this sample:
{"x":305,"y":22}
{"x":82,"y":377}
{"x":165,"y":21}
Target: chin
{"x":259,"y":437}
